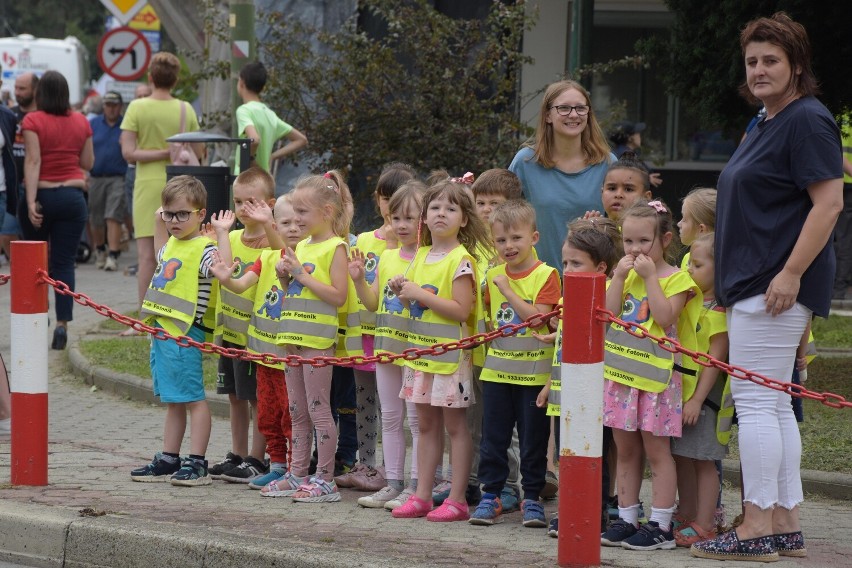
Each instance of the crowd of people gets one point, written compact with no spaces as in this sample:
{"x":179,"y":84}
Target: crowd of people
{"x":457,"y":255}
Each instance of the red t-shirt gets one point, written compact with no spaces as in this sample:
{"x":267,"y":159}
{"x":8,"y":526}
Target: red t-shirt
{"x":61,"y":140}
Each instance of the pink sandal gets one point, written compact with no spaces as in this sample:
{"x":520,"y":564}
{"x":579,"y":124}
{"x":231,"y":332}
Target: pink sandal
{"x":449,"y":512}
{"x":414,"y":508}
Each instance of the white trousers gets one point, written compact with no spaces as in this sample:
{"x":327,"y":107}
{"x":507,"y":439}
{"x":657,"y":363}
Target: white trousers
{"x":770,"y":445}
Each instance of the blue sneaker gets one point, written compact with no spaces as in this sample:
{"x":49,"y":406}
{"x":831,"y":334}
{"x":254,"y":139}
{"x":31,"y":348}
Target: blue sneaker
{"x":618,"y":531}
{"x":158,"y":470}
{"x":488,"y":512}
{"x":509,"y":499}
{"x":553,"y":527}
{"x":192,"y":473}
{"x":533,"y":514}
{"x":260,"y":482}
{"x":650,"y":537}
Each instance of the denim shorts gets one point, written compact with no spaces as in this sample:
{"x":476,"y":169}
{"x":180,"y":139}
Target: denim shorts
{"x":176,"y":371}
{"x":10,"y":224}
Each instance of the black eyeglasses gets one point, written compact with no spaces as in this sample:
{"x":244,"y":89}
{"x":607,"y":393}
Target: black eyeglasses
{"x":181,"y":216}
{"x":565,"y":110}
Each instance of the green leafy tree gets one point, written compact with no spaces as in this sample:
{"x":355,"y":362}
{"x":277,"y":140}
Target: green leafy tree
{"x":426,"y":89}
{"x":701,"y":61}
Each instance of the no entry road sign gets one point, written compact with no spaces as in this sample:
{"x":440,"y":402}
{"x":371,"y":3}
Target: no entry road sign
{"x":124,"y":54}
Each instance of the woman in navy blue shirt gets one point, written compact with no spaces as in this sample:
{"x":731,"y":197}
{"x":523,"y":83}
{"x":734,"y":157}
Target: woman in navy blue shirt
{"x":778,"y":199}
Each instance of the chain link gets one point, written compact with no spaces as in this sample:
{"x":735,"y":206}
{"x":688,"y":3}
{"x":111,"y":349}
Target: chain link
{"x":4,"y":278}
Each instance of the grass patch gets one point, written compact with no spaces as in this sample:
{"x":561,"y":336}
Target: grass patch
{"x":109,"y":325}
{"x":834,"y":332}
{"x":826,"y":436}
{"x":131,"y":355}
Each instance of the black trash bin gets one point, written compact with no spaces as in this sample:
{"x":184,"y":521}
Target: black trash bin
{"x":216,"y":180}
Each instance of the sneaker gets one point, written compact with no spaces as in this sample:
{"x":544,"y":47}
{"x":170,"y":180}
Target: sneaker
{"x":618,"y":531}
{"x":650,"y":537}
{"x":551,"y":486}
{"x":373,"y":479}
{"x":488,"y":512}
{"x":250,"y":469}
{"x":345,"y":479}
{"x":441,"y":492}
{"x":284,"y":486}
{"x":553,"y":527}
{"x":473,"y":494}
{"x":533,"y":514}
{"x":192,"y":473}
{"x":100,"y":258}
{"x":317,"y":490}
{"x":378,"y":499}
{"x":110,"y":264}
{"x":400,"y":500}
{"x":341,"y":467}
{"x":231,"y":461}
{"x":509,"y":499}
{"x":158,"y":470}
{"x":262,"y":481}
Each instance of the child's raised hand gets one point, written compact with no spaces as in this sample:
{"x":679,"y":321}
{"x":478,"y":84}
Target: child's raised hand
{"x":357,"y":265}
{"x":545,"y":337}
{"x":222,"y":221}
{"x":206,"y":230}
{"x":541,"y":399}
{"x":290,"y":263}
{"x":644,"y":266}
{"x":624,"y":265}
{"x":221,"y":269}
{"x":691,"y":412}
{"x":501,"y":281}
{"x":592,"y":214}
{"x":258,"y":211}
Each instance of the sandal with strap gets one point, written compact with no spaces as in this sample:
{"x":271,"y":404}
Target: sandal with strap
{"x":283,"y":486}
{"x":449,"y":511}
{"x":690,"y":533}
{"x":414,"y":508}
{"x":678,"y":522}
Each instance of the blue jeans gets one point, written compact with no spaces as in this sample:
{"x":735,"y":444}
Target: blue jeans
{"x":343,"y":407}
{"x":64,"y":214}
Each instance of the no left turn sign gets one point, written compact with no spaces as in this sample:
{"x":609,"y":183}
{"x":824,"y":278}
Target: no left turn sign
{"x":124,"y":54}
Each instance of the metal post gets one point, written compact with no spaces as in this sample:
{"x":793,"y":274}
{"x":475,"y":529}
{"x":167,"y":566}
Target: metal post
{"x":581,"y":420}
{"x":28,"y":377}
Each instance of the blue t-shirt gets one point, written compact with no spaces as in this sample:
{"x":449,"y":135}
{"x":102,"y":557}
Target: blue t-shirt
{"x":762,"y":203}
{"x":108,"y":158}
{"x":558,"y":198}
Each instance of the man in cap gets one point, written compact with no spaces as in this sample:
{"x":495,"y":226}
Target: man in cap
{"x":626,"y":136}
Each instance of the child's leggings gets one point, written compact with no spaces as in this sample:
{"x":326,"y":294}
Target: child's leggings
{"x":273,"y":413}
{"x":389,"y":383}
{"x":309,"y":390}
{"x":367,"y":416}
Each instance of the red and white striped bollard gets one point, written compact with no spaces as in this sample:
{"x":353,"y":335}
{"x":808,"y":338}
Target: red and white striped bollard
{"x":28,"y":378}
{"x":581,"y":420}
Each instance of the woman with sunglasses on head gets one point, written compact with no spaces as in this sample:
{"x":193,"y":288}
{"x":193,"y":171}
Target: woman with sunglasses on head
{"x":563,"y":167}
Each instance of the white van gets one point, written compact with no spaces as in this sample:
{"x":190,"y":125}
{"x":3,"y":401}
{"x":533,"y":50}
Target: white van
{"x":25,"y":53}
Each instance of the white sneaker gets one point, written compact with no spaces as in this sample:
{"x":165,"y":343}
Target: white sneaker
{"x":378,"y":499}
{"x":110,"y":264}
{"x":400,"y":499}
{"x":100,"y":258}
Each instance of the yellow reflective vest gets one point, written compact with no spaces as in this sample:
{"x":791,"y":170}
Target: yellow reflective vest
{"x":642,"y":363}
{"x":554,"y":397}
{"x":234,"y":310}
{"x":264,"y":326}
{"x":360,"y":321}
{"x":521,"y":358}
{"x":306,"y":320}
{"x":392,"y":315}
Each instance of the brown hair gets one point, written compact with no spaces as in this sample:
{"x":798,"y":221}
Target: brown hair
{"x":498,"y":181}
{"x":409,"y":194}
{"x":663,"y":219}
{"x":702,"y":206}
{"x":188,"y":187}
{"x":328,"y":189}
{"x":258,"y":177}
{"x":598,"y":237}
{"x":474,"y":234}
{"x":594,"y":144}
{"x":392,"y":177}
{"x":780,"y":30}
{"x":516,"y":213}
{"x":164,"y":69}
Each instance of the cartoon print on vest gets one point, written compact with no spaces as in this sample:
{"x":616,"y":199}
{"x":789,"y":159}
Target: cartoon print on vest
{"x":371,"y":267}
{"x":165,"y":273}
{"x":559,"y":347}
{"x":416,"y":309}
{"x":635,"y":311}
{"x":240,"y":268}
{"x":295,"y":288}
{"x":274,"y":300}
{"x":506,"y":315}
{"x":390,"y":302}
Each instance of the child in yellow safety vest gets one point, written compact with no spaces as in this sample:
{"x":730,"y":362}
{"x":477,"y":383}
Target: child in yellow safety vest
{"x":643,"y":386}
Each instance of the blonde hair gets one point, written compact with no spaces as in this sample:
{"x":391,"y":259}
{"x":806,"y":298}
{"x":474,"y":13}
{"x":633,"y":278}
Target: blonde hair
{"x":285,"y":200}
{"x":593,"y":142}
{"x":474,"y":234}
{"x":707,"y":241}
{"x":328,"y":189}
{"x":516,"y":213}
{"x":188,"y":187}
{"x":702,"y":206}
{"x":409,"y":194}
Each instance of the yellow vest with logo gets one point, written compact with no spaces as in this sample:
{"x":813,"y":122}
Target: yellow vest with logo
{"x":234,"y":310}
{"x":264,"y":326}
{"x":554,"y":397}
{"x":392,"y":314}
{"x":360,"y":321}
{"x":642,"y":363}
{"x":713,"y":321}
{"x":426,"y":328}
{"x":521,"y":358}
{"x":306,"y":320}
{"x":172,"y":296}
{"x":486,"y":258}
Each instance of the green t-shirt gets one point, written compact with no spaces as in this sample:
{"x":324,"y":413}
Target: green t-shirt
{"x":269,"y":127}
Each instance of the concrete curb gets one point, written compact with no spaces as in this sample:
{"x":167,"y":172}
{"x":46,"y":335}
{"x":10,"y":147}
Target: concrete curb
{"x":49,"y":537}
